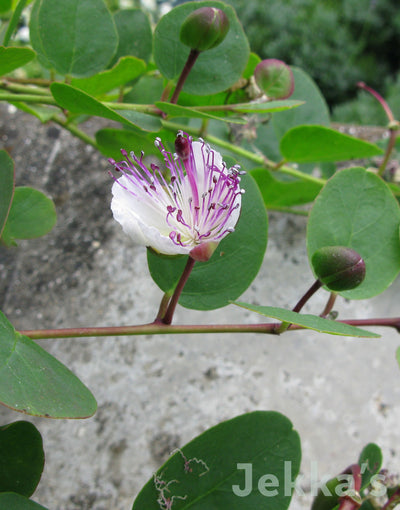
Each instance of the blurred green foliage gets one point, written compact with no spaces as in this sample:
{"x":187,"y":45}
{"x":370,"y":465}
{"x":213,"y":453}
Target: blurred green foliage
{"x":338,"y":42}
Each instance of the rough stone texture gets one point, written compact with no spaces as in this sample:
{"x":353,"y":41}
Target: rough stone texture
{"x":155,"y":393}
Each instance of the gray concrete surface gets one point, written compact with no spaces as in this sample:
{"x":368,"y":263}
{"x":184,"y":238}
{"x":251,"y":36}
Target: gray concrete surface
{"x":155,"y":393}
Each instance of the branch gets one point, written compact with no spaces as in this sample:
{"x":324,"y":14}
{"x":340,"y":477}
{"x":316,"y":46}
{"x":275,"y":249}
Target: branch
{"x":163,"y":329}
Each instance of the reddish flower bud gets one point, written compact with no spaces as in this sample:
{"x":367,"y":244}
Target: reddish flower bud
{"x":338,"y":267}
{"x":182,"y":147}
{"x":204,"y":28}
{"x":275,"y":78}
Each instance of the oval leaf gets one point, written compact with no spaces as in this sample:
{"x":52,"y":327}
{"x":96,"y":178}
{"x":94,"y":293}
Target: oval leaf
{"x":21,"y":458}
{"x":12,"y":58}
{"x":125,"y":70}
{"x":134,"y":34}
{"x":7,"y":177}
{"x":15,"y":501}
{"x":308,"y":321}
{"x":31,"y":215}
{"x":213,"y":470}
{"x":370,"y":462}
{"x":277,"y":193}
{"x":241,"y":253}
{"x":215,"y":70}
{"x":356,"y":209}
{"x":307,"y":144}
{"x":77,"y":38}
{"x":314,"y":111}
{"x":35,"y":383}
{"x":77,"y":101}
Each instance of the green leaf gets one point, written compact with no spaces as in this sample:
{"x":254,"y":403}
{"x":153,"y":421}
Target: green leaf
{"x":12,"y":25}
{"x":277,"y":193}
{"x":305,"y":144}
{"x":12,"y":58}
{"x":31,"y":215}
{"x":7,"y":177}
{"x":314,"y":111}
{"x":10,"y":500}
{"x":266,"y":107}
{"x":125,"y":70}
{"x":308,"y":321}
{"x":76,"y":101}
{"x":134,"y":34}
{"x":35,"y":383}
{"x":215,"y":70}
{"x":252,"y":63}
{"x":398,"y":356}
{"x":111,"y":141}
{"x":43,"y":113}
{"x":174,"y":110}
{"x":21,"y":458}
{"x":147,"y":90}
{"x":370,"y":462}
{"x":241,"y":253}
{"x":35,"y":35}
{"x":357,"y":209}
{"x":5,"y":5}
{"x":77,"y":38}
{"x":209,"y":472}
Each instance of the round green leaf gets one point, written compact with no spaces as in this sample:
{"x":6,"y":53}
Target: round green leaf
{"x":233,"y":266}
{"x":21,"y":458}
{"x":31,"y":215}
{"x":6,"y":187}
{"x":213,"y":470}
{"x":35,"y":383}
{"x":305,"y":144}
{"x":77,"y":38}
{"x":134,"y":34}
{"x":356,"y":209}
{"x":215,"y":70}
{"x":15,"y":501}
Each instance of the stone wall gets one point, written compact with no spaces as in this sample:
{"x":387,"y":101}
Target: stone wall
{"x":155,"y":393}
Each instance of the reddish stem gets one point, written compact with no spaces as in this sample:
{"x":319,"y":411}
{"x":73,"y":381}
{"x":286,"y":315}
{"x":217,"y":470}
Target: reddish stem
{"x":311,"y":291}
{"x":329,"y":305}
{"x":155,"y":328}
{"x":167,"y":318}
{"x":193,"y":55}
{"x":379,"y":98}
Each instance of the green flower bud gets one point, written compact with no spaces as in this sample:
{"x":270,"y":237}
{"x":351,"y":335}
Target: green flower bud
{"x":274,"y":78}
{"x":338,"y":267}
{"x":204,"y":28}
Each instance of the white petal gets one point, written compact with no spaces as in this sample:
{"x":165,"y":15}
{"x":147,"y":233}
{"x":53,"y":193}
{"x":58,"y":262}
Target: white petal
{"x":141,"y":222}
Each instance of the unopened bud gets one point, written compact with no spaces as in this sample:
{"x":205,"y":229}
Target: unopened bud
{"x":182,"y":147}
{"x":274,"y":78}
{"x":204,"y":28}
{"x":338,"y":267}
